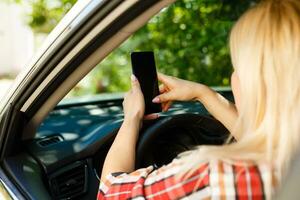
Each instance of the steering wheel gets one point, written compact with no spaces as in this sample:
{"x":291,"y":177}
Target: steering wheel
{"x":166,"y":138}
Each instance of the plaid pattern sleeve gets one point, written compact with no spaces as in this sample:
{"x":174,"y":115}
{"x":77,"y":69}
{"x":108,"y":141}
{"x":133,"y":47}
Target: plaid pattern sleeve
{"x":213,"y":180}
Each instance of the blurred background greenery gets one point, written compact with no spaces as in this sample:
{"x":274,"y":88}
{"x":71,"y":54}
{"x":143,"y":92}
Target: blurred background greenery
{"x":189,"y":39}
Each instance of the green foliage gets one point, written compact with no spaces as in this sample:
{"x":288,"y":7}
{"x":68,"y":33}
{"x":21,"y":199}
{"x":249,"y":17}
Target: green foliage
{"x":45,"y":14}
{"x":189,"y":39}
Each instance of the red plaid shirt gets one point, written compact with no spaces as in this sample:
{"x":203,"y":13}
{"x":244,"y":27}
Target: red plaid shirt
{"x":213,"y":180}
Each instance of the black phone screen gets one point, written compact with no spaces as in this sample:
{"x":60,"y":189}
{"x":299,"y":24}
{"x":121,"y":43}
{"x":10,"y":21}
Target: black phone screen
{"x":143,"y":67}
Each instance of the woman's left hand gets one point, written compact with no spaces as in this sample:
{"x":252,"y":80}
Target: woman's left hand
{"x":125,"y":141}
{"x":134,"y":104}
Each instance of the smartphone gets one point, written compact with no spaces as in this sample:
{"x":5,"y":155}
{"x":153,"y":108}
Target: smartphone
{"x":143,"y":67}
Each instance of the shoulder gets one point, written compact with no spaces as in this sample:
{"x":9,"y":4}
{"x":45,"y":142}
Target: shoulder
{"x":239,"y":179}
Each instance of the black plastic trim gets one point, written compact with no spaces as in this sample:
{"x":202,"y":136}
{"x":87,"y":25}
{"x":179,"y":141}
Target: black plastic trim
{"x":52,"y":180}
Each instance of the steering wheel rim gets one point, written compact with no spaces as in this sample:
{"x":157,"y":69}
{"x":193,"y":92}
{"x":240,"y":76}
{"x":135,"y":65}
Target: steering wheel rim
{"x":217,"y":134}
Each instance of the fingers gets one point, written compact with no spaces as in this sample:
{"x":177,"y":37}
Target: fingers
{"x":135,"y":85}
{"x":151,"y":116}
{"x":165,"y":94}
{"x":164,"y":78}
{"x":165,"y":97}
{"x":162,"y":89}
{"x":166,"y":106}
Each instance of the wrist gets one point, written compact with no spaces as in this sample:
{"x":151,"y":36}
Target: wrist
{"x":133,"y":122}
{"x":199,"y":91}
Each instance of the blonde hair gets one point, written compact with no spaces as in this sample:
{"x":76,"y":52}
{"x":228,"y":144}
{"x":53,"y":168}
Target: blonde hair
{"x":265,"y":52}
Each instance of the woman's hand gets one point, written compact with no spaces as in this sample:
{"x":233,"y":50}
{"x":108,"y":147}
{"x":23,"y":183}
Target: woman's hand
{"x":125,"y":141}
{"x":134,"y":104}
{"x":181,"y":90}
{"x":173,"y":88}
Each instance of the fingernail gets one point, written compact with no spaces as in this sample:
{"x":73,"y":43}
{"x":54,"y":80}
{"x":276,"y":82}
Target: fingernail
{"x":133,"y":78}
{"x":156,"y":100}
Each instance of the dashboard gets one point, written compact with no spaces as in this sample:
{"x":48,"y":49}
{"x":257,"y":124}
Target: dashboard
{"x":65,"y":158}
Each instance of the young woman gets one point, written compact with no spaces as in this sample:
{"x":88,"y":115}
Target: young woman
{"x":265,"y":51}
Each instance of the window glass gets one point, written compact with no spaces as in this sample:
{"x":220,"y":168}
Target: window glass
{"x":189,"y":39}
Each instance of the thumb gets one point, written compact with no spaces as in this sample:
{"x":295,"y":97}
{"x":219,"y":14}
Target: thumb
{"x":135,"y":83}
{"x":167,"y":80}
{"x":165,"y":97}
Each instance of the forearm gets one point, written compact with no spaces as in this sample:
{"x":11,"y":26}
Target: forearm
{"x":121,"y":155}
{"x":222,"y":109}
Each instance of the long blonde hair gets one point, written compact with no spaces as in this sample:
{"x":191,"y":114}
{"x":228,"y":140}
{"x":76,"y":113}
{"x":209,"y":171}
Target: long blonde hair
{"x":265,"y":52}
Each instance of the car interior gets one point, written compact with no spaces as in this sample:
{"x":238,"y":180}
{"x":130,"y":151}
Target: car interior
{"x":65,"y":140}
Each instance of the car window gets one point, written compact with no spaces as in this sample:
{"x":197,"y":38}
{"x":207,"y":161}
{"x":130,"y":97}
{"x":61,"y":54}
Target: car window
{"x":189,"y":39}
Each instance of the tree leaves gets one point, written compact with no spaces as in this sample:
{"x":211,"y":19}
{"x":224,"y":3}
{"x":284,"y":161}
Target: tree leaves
{"x":189,"y":39}
{"x":45,"y":14}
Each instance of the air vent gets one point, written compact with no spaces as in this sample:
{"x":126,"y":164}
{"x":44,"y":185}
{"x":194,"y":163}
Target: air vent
{"x":45,"y":142}
{"x":70,"y":182}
